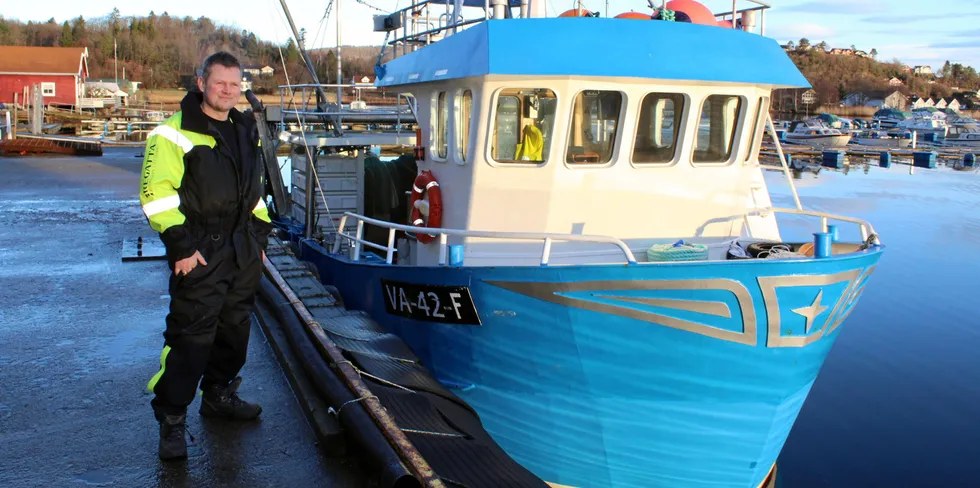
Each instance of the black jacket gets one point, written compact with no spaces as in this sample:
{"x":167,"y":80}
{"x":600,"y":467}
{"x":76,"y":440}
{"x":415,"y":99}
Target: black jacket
{"x":194,"y":191}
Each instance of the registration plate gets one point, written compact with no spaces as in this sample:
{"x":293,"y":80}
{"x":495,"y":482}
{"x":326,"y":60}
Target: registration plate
{"x":446,"y":304}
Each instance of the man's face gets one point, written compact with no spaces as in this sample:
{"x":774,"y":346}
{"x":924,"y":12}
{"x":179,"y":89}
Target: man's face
{"x":222,"y":88}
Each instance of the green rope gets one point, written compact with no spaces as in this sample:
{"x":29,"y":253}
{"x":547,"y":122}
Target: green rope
{"x":665,"y":14}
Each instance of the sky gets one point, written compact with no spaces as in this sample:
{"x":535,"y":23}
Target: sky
{"x":915,"y":32}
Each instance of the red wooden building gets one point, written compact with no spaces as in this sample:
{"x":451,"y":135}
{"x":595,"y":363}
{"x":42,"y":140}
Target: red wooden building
{"x":60,"y":72}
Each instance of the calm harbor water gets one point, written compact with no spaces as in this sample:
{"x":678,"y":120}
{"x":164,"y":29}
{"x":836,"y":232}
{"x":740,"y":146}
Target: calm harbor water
{"x":897,"y":400}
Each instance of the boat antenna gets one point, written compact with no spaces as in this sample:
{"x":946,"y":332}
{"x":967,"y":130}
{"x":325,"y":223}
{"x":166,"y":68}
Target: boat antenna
{"x":321,"y":97}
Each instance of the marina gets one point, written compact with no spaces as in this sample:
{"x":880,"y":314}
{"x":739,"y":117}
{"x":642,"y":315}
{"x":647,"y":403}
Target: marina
{"x":517,"y":272}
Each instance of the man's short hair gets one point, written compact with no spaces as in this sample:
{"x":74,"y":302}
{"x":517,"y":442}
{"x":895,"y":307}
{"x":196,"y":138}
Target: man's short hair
{"x":223,"y":58}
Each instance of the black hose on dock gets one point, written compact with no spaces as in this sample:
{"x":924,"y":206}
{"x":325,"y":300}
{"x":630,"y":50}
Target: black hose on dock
{"x":359,"y":425}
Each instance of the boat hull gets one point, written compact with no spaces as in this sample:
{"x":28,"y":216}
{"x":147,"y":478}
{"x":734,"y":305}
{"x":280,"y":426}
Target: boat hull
{"x":822,"y":141}
{"x":896,"y":143}
{"x":663,"y":375}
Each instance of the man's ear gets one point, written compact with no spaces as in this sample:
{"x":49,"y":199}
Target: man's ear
{"x":200,"y":83}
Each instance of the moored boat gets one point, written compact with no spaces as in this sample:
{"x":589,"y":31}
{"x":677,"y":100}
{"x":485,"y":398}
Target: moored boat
{"x":875,"y":138}
{"x":592,"y":260}
{"x":815,"y":133}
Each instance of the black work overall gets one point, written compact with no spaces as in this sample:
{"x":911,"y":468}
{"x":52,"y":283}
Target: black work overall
{"x":206,"y":339}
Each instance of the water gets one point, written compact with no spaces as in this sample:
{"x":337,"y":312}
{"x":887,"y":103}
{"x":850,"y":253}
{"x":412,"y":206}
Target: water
{"x":896,"y":402}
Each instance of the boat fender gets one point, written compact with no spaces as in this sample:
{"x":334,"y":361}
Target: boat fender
{"x":426,"y":186}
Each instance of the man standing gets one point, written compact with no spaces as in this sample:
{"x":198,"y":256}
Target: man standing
{"x":201,"y":189}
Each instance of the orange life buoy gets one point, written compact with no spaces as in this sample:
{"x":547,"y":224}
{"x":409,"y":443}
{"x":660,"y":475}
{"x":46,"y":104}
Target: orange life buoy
{"x":426,"y":185}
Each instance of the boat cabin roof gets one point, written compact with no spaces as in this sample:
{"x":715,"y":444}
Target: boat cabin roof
{"x":594,"y":47}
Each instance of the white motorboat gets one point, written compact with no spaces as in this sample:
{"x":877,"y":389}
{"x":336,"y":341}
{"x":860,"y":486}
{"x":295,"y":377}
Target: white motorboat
{"x":875,"y":138}
{"x":815,"y":133}
{"x":963,"y":136}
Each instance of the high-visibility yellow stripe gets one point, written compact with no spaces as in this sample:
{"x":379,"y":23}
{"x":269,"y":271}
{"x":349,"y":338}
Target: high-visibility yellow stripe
{"x":163,"y":367}
{"x":261,"y":211}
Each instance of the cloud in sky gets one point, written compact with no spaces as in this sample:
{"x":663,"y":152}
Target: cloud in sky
{"x":839,"y":7}
{"x":908,"y":19}
{"x":792,"y":32}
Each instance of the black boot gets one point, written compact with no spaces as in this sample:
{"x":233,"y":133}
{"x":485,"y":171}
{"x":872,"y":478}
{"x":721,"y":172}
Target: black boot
{"x":173,"y":445}
{"x":225,"y":403}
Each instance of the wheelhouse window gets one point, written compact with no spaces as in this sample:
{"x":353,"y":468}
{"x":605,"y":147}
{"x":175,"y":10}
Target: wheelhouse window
{"x":657,"y":129}
{"x":464,"y":109}
{"x":523,"y":124}
{"x":595,"y":121}
{"x":717,"y":126}
{"x":440,"y":133}
{"x":760,"y":125}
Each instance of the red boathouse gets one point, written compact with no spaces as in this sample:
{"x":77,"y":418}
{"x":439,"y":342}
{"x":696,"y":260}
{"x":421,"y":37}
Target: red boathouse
{"x":60,"y":72}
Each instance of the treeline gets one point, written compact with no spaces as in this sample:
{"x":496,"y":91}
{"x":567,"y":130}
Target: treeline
{"x":833,"y":76}
{"x":163,"y":51}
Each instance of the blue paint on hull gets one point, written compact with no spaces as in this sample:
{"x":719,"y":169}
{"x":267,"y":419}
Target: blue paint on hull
{"x":592,"y":399}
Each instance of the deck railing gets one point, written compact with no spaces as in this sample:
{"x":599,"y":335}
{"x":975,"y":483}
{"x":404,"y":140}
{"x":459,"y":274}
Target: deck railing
{"x":358,"y":242}
{"x":443,"y":234}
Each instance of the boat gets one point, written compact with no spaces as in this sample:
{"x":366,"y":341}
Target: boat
{"x":922,"y":125}
{"x":814,"y":132}
{"x":888,"y":118}
{"x":963,"y":136}
{"x":614,"y":298}
{"x":877,"y":138}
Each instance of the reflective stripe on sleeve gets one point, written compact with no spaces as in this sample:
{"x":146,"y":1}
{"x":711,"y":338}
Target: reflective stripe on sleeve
{"x":259,"y":206}
{"x":174,"y":136}
{"x":161,"y":205}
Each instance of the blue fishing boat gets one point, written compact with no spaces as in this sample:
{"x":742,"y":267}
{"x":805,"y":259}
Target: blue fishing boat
{"x":585,"y":249}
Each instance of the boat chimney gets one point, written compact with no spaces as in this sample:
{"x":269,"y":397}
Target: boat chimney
{"x":748,"y":20}
{"x":536,"y":9}
{"x":499,"y":7}
{"x":524,"y":9}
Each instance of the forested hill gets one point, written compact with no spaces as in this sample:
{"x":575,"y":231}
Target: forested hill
{"x":158,"y":50}
{"x":835,"y":75}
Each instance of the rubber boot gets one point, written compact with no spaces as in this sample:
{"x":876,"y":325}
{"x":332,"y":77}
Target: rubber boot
{"x":224,"y":402}
{"x":173,"y":444}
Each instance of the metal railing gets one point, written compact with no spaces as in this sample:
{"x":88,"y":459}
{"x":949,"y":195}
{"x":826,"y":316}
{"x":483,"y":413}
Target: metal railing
{"x":865,"y":227}
{"x":403,"y":111}
{"x":358,"y":241}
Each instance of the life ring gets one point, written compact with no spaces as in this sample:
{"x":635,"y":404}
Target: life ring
{"x":426,"y":185}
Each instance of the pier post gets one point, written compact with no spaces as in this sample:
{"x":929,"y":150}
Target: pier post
{"x":833,"y":159}
{"x":885,"y":159}
{"x":924,"y":159}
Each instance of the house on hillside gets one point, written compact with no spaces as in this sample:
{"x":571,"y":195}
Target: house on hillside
{"x":895,"y":82}
{"x":941,"y":103}
{"x":362,"y":80}
{"x":921,"y":103}
{"x":60,"y":72}
{"x":954,"y":105}
{"x":841,"y":52}
{"x":922,"y":70}
{"x":875,"y":99}
{"x":259,"y":70}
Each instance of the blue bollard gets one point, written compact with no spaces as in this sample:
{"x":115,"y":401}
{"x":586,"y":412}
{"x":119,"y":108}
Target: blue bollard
{"x":833,"y":159}
{"x":885,"y":159}
{"x":832,"y":230}
{"x":456,"y":255}
{"x":821,"y":245}
{"x":924,"y":159}
{"x":969,"y":160}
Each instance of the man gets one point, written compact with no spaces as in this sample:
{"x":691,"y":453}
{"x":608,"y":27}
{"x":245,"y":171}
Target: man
{"x":201,"y":189}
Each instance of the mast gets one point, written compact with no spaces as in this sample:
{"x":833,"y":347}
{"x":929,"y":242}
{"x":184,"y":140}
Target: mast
{"x":321,"y":97}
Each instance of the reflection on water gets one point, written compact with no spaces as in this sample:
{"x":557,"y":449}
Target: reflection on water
{"x":896,"y":402}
